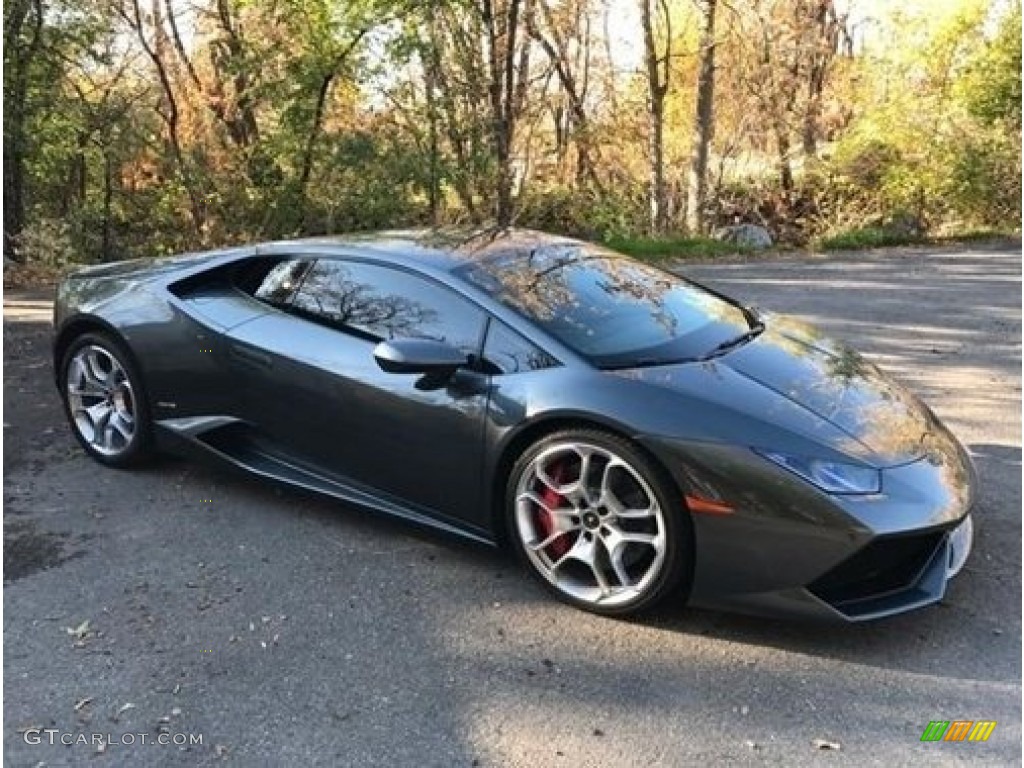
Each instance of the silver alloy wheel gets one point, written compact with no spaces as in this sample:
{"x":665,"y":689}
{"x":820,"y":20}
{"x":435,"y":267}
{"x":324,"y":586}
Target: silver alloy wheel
{"x":590,"y":523}
{"x":100,"y":400}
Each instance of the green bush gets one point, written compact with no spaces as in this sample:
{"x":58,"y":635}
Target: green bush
{"x":46,"y":243}
{"x":583,"y":212}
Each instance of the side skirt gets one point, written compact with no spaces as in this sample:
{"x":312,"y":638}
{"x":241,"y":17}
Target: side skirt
{"x":228,"y":440}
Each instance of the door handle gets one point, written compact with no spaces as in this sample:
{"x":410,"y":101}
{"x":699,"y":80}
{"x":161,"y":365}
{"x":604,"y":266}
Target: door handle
{"x":251,"y":356}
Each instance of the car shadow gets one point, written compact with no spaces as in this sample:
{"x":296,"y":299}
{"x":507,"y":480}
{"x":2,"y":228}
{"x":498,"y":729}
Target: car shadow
{"x":964,"y":637}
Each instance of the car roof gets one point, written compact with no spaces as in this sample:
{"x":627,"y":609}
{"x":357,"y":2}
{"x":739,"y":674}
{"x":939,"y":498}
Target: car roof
{"x":444,"y":249}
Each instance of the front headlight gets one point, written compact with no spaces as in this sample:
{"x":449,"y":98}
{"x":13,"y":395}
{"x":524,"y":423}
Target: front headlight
{"x":830,"y":476}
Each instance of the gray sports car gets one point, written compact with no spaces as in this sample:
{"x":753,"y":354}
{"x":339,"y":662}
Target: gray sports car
{"x":635,"y":436}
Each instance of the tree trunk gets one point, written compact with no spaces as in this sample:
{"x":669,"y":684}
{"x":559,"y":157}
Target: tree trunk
{"x":704,"y":124}
{"x":434,"y":182}
{"x":316,"y":124}
{"x":785,"y":169}
{"x":106,"y":245}
{"x":574,"y":82}
{"x":657,"y":87}
{"x":506,"y":95}
{"x":658,"y":192}
{"x":155,"y":51}
{"x":306,"y":167}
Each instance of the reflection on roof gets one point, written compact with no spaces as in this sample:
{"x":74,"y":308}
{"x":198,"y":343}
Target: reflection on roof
{"x":449,"y":247}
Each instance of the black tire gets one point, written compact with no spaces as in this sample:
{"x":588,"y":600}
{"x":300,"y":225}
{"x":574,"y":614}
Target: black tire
{"x":139,"y":448}
{"x":674,"y":574}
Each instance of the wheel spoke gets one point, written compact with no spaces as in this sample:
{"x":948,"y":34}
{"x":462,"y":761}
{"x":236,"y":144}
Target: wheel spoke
{"x":601,"y":579}
{"x":616,"y":538}
{"x":583,"y":551}
{"x":584,"y":491}
{"x":551,"y":483}
{"x":98,"y":414}
{"x":615,"y":558}
{"x":627,"y":513}
{"x":542,"y":545}
{"x":606,"y":476}
{"x":612,"y":501}
{"x":535,"y":499}
{"x":120,"y":423}
{"x":81,"y":382}
{"x":108,"y":435}
{"x":94,"y":368}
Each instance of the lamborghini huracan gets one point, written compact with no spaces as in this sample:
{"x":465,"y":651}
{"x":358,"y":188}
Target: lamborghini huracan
{"x":637,"y":438}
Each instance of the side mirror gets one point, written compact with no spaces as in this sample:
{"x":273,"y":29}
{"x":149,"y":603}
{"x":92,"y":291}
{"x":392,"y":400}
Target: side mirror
{"x":418,"y":356}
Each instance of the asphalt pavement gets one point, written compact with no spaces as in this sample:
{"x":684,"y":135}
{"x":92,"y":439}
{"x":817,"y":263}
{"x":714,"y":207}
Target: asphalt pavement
{"x":186,"y":601}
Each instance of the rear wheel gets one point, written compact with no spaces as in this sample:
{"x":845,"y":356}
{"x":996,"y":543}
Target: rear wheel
{"x":104,"y":401}
{"x":599,"y":523}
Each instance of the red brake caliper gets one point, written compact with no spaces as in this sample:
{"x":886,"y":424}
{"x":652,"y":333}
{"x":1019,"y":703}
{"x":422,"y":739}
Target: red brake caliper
{"x":545,"y":520}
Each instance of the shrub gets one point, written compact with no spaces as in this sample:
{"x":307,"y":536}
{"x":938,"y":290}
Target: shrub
{"x":583,"y":212}
{"x":47,"y":243}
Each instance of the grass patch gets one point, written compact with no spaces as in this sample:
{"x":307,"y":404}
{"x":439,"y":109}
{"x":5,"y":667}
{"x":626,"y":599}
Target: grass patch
{"x":978,"y":236}
{"x":881,"y":237}
{"x":868,"y":237}
{"x":665,"y":248}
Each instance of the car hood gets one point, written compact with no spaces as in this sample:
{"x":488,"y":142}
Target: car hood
{"x":797,"y":378}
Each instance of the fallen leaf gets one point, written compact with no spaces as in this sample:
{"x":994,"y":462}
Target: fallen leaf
{"x":79,"y":632}
{"x":121,"y":710}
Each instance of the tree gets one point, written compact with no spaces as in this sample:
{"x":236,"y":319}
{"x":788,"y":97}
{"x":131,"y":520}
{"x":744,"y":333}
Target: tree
{"x":657,"y":33}
{"x":704,"y":121}
{"x":508,"y":65}
{"x":793,"y":43}
{"x":566,"y":41}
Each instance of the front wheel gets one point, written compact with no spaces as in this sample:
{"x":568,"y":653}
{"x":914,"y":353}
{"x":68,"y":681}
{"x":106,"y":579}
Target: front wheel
{"x":599,"y":523}
{"x":104,"y":401}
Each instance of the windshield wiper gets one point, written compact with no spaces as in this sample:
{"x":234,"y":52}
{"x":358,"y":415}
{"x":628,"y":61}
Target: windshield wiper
{"x":756,"y":327}
{"x":755,"y":330}
{"x":649,"y":362}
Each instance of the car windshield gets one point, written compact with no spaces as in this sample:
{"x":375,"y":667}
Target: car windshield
{"x":612,"y":310}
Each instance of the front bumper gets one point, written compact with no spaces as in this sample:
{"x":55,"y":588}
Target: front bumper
{"x":894,"y":574}
{"x":790,"y":549}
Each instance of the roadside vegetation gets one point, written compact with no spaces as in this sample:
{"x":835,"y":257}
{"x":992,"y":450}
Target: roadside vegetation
{"x":146,"y":127}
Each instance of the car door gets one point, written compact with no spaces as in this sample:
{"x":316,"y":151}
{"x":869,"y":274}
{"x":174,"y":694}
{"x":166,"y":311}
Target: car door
{"x":320,"y":394}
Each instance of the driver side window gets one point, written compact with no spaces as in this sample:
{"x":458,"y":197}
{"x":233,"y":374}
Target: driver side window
{"x":383,"y":303}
